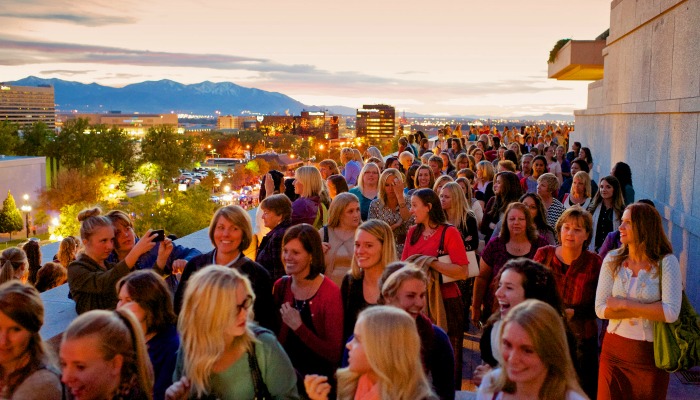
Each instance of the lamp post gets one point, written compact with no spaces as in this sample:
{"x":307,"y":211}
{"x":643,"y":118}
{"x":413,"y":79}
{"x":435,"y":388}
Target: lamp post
{"x":26,"y":209}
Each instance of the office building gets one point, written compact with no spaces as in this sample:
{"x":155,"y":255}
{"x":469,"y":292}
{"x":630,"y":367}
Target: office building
{"x":134,"y":124}
{"x":26,"y":105}
{"x":376,"y":122}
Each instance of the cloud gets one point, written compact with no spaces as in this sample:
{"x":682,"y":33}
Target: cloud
{"x":91,"y":13}
{"x":67,"y":72}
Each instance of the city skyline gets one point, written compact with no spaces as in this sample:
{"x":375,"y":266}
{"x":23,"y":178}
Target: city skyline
{"x":455,"y":58}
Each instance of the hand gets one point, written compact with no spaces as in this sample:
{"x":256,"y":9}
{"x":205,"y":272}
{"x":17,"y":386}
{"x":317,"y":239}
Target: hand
{"x":317,"y":387}
{"x":476,"y":316}
{"x":178,"y":266}
{"x":480,"y":372}
{"x":615,"y":304}
{"x":178,"y":390}
{"x":269,"y":185}
{"x":144,"y":245}
{"x":164,"y":250}
{"x":290,"y":316}
{"x":326,"y":246}
{"x":569,"y":313}
{"x":397,"y":187}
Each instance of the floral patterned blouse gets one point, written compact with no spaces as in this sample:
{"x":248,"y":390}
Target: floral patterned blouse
{"x":391,"y":217}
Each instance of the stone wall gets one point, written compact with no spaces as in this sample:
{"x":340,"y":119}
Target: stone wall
{"x":646,"y":111}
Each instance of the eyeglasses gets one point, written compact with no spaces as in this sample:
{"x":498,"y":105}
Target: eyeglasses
{"x":245,"y":305}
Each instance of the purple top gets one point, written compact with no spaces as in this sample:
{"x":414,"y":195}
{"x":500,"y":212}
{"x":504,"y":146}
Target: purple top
{"x":351,"y":172}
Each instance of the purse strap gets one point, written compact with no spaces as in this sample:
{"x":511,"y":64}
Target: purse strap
{"x":261,"y":391}
{"x":441,"y":247}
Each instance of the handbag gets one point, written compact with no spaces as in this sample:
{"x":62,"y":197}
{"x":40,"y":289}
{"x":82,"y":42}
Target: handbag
{"x":473,"y":267}
{"x":261,"y":391}
{"x":677,"y":344}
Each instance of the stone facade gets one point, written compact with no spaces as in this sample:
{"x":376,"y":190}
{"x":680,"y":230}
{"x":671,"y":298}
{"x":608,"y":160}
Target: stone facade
{"x":646,"y":111}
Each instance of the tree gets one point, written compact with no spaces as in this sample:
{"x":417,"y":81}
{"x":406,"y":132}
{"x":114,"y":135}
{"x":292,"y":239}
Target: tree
{"x":116,"y":148}
{"x":10,"y":216}
{"x":168,"y":152}
{"x":75,"y":146}
{"x":9,"y":137}
{"x":34,"y":140}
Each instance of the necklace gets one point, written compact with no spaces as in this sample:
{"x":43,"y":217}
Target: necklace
{"x":428,"y":233}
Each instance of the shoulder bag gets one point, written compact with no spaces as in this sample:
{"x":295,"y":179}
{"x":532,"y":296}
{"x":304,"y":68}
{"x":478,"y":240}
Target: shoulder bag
{"x":472,"y":269}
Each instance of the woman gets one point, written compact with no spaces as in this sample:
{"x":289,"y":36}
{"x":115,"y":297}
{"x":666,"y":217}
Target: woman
{"x":351,"y":169}
{"x":474,"y":204}
{"x":50,"y":276}
{"x":277,"y":217}
{"x":424,"y":179}
{"x":432,"y":237}
{"x":312,"y":205}
{"x":623,"y":173}
{"x":392,"y":207}
{"x":146,"y":295}
{"x":462,"y":161}
{"x":374,"y":249}
{"x":519,"y":280}
{"x":448,"y":167}
{"x":459,"y":214}
{"x":393,"y":162}
{"x":379,"y":368}
{"x":13,"y":265}
{"x":576,"y":273}
{"x":309,"y":305}
{"x":424,"y":147}
{"x":517,"y":238}
{"x":538,"y":214}
{"x":478,"y":155}
{"x":585,"y":155}
{"x":456,"y":149}
{"x":67,"y":251}
{"x":339,"y":236}
{"x":219,"y":342}
{"x":483,"y":186}
{"x":547,"y":189}
{"x":103,"y":356}
{"x":411,"y":179}
{"x":230,"y":232}
{"x":33,"y":252}
{"x":405,"y":286}
{"x":336,"y":185}
{"x":367,"y":188}
{"x":327,"y":168}
{"x":273,"y":183}
{"x":580,"y":194}
{"x":553,"y":166}
{"x":506,"y":189}
{"x":91,"y":278}
{"x":607,"y":207}
{"x":560,"y":157}
{"x":539,"y":167}
{"x":629,"y":295}
{"x":440,"y":182}
{"x":535,"y":360}
{"x":25,"y":369}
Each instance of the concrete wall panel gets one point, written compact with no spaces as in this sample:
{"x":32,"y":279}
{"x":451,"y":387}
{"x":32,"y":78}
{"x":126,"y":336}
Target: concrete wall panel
{"x":685,"y":75}
{"x":661,"y":58}
{"x":681,"y":161}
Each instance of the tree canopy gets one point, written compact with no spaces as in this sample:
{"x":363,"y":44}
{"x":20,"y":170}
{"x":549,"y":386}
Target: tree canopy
{"x":10,"y":216}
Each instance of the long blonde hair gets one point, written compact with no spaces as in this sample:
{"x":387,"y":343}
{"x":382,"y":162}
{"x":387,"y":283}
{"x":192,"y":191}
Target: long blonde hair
{"x":338,"y":206}
{"x":118,"y":333}
{"x":12,"y":261}
{"x":382,"y":231}
{"x":545,"y":327}
{"x":312,"y":183}
{"x":209,"y":306}
{"x":459,"y":211}
{"x":67,"y":250}
{"x":395,"y":362}
{"x":383,"y":196}
{"x":363,"y":171}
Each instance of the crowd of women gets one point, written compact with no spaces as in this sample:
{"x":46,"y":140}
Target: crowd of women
{"x":365,"y":277}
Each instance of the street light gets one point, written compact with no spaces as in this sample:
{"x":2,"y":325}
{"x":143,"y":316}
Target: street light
{"x":26,"y":209}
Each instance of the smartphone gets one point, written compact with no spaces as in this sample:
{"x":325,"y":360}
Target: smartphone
{"x":158,"y":235}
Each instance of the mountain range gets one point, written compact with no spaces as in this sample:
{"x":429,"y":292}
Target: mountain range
{"x":202,"y":98}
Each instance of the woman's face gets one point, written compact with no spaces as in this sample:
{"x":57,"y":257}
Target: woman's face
{"x":357,"y":359}
{"x":531,"y":206}
{"x":514,"y":147}
{"x":445,"y":199}
{"x":14,"y":343}
{"x":420,"y":210}
{"x":522,"y":363}
{"x":510,"y":291}
{"x":297,"y":261}
{"x":270,"y":218}
{"x":394,"y":164}
{"x":543,"y":190}
{"x":368,"y":250}
{"x":445,"y":161}
{"x":582,"y":155}
{"x":455,"y":146}
{"x":237,"y":327}
{"x":538,"y":168}
{"x":227,"y":237}
{"x":124,"y":237}
{"x":497,"y":185}
{"x":606,"y":190}
{"x":575,"y":169}
{"x":463,"y":163}
{"x":84,"y":370}
{"x":126,"y":302}
{"x":298,"y":186}
{"x":423,"y":178}
{"x":549,"y":153}
{"x":478,"y":155}
{"x":626,"y":231}
{"x":573,"y":234}
{"x":351,"y":216}
{"x":480,"y":145}
{"x":578,"y":188}
{"x":516,"y":222}
{"x":100,"y":244}
{"x":464,"y":188}
{"x":332,"y":191}
{"x":560,"y":152}
{"x":371,"y":176}
{"x":410,"y":297}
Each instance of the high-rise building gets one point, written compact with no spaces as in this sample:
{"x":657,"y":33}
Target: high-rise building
{"x":134,"y":124}
{"x":376,"y":122}
{"x":225,"y":122}
{"x":25,"y":105}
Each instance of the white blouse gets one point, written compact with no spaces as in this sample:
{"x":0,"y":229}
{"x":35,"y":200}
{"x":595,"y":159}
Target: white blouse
{"x":645,"y":289}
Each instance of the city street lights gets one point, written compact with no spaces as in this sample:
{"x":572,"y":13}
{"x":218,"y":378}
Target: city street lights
{"x":26,"y":209}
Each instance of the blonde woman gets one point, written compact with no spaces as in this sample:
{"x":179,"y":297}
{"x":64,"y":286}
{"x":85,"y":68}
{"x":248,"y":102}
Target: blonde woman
{"x":351,"y":169}
{"x":103,"y":356}
{"x":483,"y":185}
{"x":373,"y":152}
{"x":374,"y":249}
{"x":392,"y":207}
{"x":367,"y":187}
{"x":67,"y":251}
{"x":580,"y":194}
{"x":379,"y":368}
{"x":458,"y":213}
{"x":534,"y":357}
{"x":339,"y":236}
{"x":312,"y":205}
{"x":13,"y":265}
{"x":441,"y":181}
{"x":219,"y":341}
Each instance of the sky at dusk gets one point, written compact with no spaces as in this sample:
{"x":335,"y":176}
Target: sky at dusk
{"x":436,"y":57}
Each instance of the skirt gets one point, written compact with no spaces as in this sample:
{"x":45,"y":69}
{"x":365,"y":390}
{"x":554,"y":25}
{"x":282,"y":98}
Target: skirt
{"x":627,"y":370}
